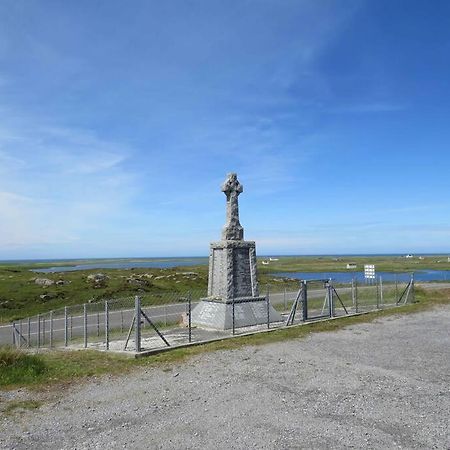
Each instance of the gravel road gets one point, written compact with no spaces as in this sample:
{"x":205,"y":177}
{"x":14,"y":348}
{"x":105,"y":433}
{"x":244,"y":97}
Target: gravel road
{"x":380,"y":385}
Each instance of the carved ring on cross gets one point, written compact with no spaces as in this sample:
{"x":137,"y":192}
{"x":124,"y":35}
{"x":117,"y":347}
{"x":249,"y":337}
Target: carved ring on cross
{"x":232,"y":185}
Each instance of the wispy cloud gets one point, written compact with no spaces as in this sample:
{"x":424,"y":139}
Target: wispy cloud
{"x":9,"y":161}
{"x":27,"y":222}
{"x":59,"y":184}
{"x":386,"y":238}
{"x":65,"y":149}
{"x":115,"y":137}
{"x":79,"y":151}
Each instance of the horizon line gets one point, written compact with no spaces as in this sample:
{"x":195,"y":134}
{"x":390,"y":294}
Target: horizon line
{"x":206,"y":256}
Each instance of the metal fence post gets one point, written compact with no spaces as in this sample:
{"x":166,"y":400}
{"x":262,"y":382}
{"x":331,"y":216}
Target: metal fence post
{"x":137,"y":329}
{"x":333,"y":306}
{"x":85,"y":325}
{"x":51,"y":329}
{"x":378,"y":293}
{"x":304,"y":288}
{"x":268,"y":306}
{"x":29,"y":332}
{"x":356,"y":296}
{"x":13,"y":335}
{"x":20,"y":333}
{"x":43,"y":331}
{"x":411,"y":292}
{"x":66,"y":331}
{"x":38,"y":330}
{"x":189,"y":316}
{"x":353,"y":292}
{"x":396,"y":289}
{"x":98,"y":323}
{"x":381,"y":292}
{"x":285,"y":299}
{"x":331,"y":311}
{"x":106,"y":324}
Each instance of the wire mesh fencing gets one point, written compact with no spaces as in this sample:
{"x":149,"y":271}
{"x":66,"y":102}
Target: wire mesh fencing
{"x":159,"y":320}
{"x":166,"y":318}
{"x":281,"y":294}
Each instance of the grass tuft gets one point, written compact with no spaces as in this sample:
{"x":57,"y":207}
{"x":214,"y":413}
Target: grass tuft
{"x":21,"y":406}
{"x":17,"y":367}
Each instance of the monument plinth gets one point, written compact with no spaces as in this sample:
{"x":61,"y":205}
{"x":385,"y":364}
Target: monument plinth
{"x":232,"y":275}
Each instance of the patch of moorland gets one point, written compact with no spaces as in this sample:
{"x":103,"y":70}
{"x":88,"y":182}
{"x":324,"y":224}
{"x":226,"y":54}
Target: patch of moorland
{"x":24,"y":293}
{"x":21,"y":297}
{"x":339,"y":263}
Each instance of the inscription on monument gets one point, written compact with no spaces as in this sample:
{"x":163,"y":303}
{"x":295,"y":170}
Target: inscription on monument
{"x":242,"y":278}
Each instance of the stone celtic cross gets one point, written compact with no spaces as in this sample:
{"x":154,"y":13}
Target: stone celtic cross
{"x":233,"y":295}
{"x":232,"y":229}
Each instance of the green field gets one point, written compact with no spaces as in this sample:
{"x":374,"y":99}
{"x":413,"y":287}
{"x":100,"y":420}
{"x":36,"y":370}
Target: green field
{"x":21,"y":297}
{"x":339,"y":263}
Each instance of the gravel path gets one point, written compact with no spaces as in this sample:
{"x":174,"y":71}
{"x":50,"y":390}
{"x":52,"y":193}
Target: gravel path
{"x":379,"y":385}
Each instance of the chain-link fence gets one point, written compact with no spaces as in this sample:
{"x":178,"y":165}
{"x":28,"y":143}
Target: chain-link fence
{"x":159,"y":320}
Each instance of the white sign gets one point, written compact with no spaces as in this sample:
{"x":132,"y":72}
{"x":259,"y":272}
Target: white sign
{"x":369,"y":271}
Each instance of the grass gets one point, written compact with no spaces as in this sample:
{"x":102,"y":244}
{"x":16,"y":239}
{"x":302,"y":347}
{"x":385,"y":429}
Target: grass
{"x":339,"y":264}
{"x":21,"y":405}
{"x":20,"y":297}
{"x":22,"y":369}
{"x":18,"y":367}
{"x":49,"y":368}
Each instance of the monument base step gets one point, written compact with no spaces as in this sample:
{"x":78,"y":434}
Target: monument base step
{"x":218,"y":315}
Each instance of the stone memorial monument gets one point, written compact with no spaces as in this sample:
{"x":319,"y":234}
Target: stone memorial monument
{"x":232,"y":275}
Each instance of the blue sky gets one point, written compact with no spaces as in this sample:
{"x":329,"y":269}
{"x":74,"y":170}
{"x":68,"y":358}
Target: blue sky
{"x":119,"y":121}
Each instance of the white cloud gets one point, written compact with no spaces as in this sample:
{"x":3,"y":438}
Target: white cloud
{"x":9,"y":161}
{"x":58,"y":185}
{"x":27,"y":222}
{"x":75,"y":150}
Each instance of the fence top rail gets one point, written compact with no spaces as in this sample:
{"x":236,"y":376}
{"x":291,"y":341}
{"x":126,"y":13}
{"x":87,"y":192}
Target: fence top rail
{"x":315,"y":280}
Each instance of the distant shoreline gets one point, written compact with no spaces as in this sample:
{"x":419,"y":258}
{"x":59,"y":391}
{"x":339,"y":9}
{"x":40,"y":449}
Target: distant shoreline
{"x":69,"y":265}
{"x":171,"y":258}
